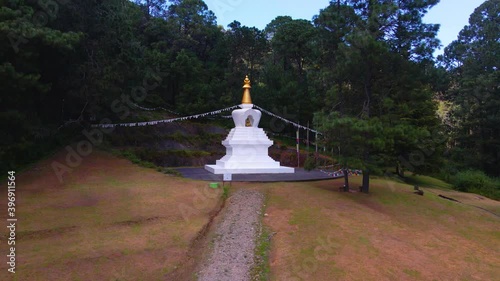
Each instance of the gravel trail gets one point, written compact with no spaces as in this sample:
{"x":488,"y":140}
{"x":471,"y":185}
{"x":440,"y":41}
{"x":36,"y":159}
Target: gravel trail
{"x":231,"y":258}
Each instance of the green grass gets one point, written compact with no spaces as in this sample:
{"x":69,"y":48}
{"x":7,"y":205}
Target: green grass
{"x":134,"y":158}
{"x":304,"y":216}
{"x":261,"y":269}
{"x":278,"y":201}
{"x":363,"y":240}
{"x":336,"y":271}
{"x":187,"y":153}
{"x":137,"y":158}
{"x":413,"y":273}
{"x":426,"y":181}
{"x":169,"y":171}
{"x":225,"y":192}
{"x":467,"y":181}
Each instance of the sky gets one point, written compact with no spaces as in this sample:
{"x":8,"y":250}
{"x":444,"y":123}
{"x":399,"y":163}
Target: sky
{"x":452,"y":15}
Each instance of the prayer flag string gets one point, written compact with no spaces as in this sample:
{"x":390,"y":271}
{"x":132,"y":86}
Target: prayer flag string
{"x":156,"y":122}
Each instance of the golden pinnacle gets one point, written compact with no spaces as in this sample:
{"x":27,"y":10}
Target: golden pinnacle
{"x":246,"y":92}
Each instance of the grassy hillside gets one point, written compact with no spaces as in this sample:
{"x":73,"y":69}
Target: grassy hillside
{"x":390,"y":234}
{"x":112,"y":220}
{"x":108,"y":220}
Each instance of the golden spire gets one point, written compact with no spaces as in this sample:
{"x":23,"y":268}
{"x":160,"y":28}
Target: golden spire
{"x":246,"y":92}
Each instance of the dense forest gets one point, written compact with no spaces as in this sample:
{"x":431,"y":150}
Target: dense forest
{"x":361,"y":72}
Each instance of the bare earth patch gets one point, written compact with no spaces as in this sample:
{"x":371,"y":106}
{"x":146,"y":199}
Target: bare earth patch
{"x":390,"y":234}
{"x":108,"y":220}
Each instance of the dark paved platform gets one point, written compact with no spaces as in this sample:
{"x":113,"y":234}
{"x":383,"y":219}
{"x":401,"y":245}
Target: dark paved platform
{"x":299,"y":175}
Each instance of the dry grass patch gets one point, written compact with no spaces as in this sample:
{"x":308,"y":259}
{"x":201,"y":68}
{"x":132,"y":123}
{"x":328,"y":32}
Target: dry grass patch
{"x":389,"y":234}
{"x":109,"y":220}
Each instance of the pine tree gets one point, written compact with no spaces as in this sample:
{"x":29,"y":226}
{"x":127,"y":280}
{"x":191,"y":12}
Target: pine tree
{"x":473,"y":61}
{"x":383,"y":49}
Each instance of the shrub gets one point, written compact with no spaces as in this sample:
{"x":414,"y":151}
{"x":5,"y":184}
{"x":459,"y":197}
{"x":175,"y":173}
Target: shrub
{"x":170,"y":171}
{"x":447,"y":171}
{"x":310,"y":163}
{"x":470,"y":180}
{"x":132,"y":156}
{"x":477,"y":182}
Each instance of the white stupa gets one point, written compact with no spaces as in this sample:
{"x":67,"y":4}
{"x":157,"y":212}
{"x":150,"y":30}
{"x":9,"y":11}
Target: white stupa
{"x":247,"y":144}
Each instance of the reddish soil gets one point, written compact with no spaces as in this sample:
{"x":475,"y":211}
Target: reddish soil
{"x":390,"y":234}
{"x":108,"y":220}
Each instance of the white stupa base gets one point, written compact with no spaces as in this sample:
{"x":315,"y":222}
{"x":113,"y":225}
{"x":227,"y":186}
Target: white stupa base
{"x":247,"y":153}
{"x":218,"y":170}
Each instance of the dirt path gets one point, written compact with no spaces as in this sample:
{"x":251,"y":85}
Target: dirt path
{"x":232,"y":255}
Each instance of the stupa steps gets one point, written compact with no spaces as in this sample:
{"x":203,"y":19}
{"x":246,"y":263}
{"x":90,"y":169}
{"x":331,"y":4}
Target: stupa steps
{"x":246,"y":134}
{"x":246,"y":164}
{"x":216,"y":169}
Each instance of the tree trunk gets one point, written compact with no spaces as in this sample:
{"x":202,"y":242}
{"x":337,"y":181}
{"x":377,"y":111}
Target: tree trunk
{"x":365,"y":188}
{"x":400,"y":170}
{"x":366,"y":114}
{"x":346,"y":180}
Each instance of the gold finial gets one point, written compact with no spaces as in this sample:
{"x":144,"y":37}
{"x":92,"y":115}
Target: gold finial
{"x":246,"y":92}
